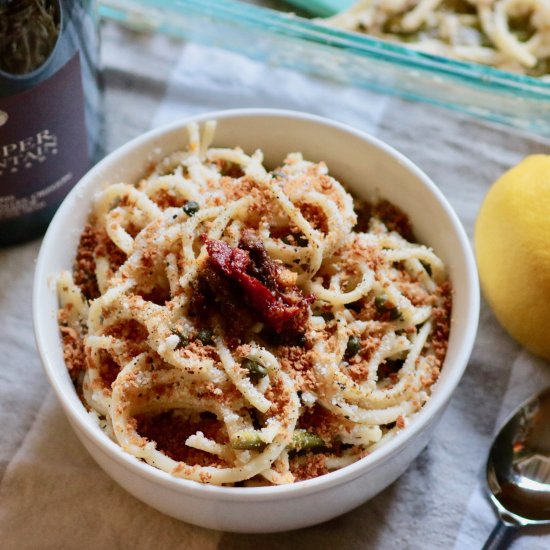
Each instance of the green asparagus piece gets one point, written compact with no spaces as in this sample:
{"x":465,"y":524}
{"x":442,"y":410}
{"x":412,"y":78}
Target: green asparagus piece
{"x":302,"y":440}
{"x":247,"y":440}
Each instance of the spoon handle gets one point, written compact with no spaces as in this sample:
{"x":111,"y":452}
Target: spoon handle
{"x":500,"y":536}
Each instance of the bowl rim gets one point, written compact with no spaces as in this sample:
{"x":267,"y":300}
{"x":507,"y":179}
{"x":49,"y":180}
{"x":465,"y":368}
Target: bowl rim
{"x":83,"y":424}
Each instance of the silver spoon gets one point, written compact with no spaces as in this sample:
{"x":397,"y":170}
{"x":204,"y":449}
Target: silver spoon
{"x":518,"y":471}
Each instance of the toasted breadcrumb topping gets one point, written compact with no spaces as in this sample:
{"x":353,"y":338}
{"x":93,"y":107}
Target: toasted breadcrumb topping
{"x":246,"y":297}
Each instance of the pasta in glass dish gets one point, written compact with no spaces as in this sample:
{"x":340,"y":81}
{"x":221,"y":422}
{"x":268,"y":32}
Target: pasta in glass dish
{"x":512,"y":35}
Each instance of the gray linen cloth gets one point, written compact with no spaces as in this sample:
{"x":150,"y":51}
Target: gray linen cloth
{"x":52,"y":494}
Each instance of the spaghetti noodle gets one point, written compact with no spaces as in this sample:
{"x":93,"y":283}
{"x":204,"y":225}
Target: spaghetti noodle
{"x":512,"y":35}
{"x":227,"y":324}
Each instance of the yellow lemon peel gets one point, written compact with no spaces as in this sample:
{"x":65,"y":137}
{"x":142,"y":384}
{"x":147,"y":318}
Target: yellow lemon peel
{"x":512,"y":242}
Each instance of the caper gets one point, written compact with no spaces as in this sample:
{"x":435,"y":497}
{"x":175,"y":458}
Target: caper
{"x":184,"y":340}
{"x":205,"y":336}
{"x":353,"y":346}
{"x":383,"y":305}
{"x":191,"y":208}
{"x":256,"y":371}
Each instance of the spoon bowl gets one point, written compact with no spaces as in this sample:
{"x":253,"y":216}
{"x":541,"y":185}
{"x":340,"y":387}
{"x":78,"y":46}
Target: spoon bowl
{"x":518,"y":470}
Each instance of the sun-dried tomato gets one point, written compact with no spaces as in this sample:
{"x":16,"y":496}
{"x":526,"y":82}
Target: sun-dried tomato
{"x":283,"y":307}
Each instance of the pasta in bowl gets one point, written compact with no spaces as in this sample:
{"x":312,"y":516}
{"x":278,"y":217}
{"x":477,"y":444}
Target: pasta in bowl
{"x":217,"y":296}
{"x":244,"y":323}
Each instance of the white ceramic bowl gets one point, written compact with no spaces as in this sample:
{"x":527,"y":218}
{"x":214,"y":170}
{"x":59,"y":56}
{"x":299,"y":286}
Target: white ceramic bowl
{"x":362,"y":163}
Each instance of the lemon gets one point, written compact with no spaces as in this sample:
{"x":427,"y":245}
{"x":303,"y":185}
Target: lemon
{"x":512,"y":242}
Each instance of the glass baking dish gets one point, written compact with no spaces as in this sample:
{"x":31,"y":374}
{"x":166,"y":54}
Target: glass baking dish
{"x":286,"y":39}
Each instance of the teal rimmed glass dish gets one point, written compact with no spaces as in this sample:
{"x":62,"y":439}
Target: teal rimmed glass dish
{"x":288,"y":40}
